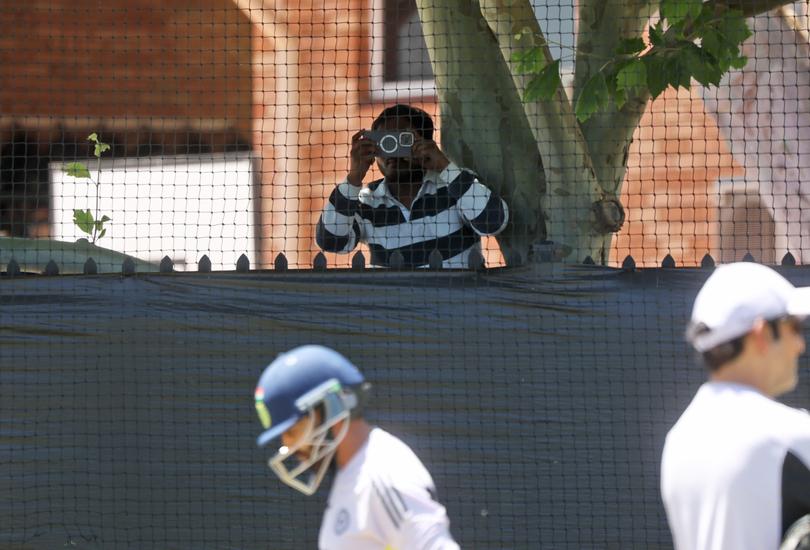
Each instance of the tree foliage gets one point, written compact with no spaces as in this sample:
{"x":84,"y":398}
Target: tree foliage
{"x":691,"y":40}
{"x":559,"y":154}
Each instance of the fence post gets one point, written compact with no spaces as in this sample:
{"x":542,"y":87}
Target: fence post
{"x":435,"y":260}
{"x":242,"y":264}
{"x":90,"y":267}
{"x":396,"y":260}
{"x":128,"y":266}
{"x":166,"y":265}
{"x":319,"y":263}
{"x":204,"y":265}
{"x":280,"y":263}
{"x":51,"y":268}
{"x":358,"y":261}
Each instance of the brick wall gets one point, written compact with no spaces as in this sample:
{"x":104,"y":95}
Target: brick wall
{"x":126,"y":59}
{"x":292,"y":81}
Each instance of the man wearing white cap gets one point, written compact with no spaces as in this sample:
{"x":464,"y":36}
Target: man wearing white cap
{"x":735,"y":472}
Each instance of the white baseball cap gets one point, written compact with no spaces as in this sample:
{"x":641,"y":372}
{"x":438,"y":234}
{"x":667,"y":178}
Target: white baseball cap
{"x":735,"y":296}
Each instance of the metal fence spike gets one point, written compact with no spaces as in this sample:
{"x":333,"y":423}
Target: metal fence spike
{"x":90,"y":267}
{"x":128,"y":266}
{"x":588,"y":261}
{"x":629,"y":264}
{"x":204,"y":265}
{"x":51,"y":268}
{"x":707,"y":261}
{"x":748,"y":257}
{"x":242,"y":264}
{"x":668,"y":262}
{"x":280,"y":263}
{"x":319,"y":263}
{"x":13,"y":268}
{"x":358,"y":261}
{"x":435,"y":260}
{"x":396,"y":260}
{"x":788,"y":259}
{"x":514,"y":258}
{"x":166,"y":265}
{"x":476,"y":261}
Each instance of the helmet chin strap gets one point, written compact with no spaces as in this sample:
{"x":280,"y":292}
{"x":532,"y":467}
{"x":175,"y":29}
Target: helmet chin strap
{"x":305,"y":474}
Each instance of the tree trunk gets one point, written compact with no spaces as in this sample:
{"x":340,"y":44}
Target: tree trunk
{"x":533,"y":153}
{"x":483,"y":126}
{"x":572,"y":186}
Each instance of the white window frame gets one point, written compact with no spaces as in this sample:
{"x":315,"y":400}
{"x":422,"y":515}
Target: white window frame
{"x":380,"y":90}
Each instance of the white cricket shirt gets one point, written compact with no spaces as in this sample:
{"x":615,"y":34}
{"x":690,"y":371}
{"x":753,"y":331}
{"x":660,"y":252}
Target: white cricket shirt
{"x":384,"y":499}
{"x":734,"y":472}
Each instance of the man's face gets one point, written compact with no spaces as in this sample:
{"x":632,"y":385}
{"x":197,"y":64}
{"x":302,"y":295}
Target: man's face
{"x":783,"y":356}
{"x":299,"y":432}
{"x":399,"y":169}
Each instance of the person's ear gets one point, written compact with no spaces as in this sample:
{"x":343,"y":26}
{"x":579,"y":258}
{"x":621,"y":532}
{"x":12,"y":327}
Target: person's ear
{"x":760,"y":336}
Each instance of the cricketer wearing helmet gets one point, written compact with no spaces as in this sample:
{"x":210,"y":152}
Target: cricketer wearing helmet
{"x":309,"y":401}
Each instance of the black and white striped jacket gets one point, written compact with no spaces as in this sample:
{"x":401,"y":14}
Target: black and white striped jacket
{"x":450,"y":213}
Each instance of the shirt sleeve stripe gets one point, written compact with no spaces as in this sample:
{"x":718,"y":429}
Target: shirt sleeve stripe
{"x":343,"y":204}
{"x":330,"y":242}
{"x":492,"y":218}
{"x":392,"y":512}
{"x":398,"y":496}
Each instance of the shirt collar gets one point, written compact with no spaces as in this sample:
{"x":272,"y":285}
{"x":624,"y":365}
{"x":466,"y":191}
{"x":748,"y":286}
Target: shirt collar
{"x":431,"y":183}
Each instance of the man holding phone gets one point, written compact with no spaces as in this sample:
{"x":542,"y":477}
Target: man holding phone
{"x":423,"y":203}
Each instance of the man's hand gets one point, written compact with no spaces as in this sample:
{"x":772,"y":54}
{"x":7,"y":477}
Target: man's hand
{"x":427,"y":154}
{"x":362,"y":157}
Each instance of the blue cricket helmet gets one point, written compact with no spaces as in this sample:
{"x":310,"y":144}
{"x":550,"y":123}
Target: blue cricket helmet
{"x":293,"y":375}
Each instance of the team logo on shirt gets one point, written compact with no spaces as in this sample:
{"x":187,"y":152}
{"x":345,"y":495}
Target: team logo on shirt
{"x":342,"y":522}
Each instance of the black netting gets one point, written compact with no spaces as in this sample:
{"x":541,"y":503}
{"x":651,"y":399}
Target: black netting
{"x":224,"y":137}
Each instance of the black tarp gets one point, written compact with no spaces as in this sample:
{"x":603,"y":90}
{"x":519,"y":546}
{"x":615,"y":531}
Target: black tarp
{"x":538,"y":397}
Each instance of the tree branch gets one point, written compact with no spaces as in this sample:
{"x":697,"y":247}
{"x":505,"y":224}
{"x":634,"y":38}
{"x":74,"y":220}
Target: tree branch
{"x":572,"y":186}
{"x":603,"y":24}
{"x":749,"y":8}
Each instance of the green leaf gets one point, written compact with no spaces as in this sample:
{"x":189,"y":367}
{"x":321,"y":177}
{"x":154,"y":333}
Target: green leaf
{"x":733,"y":28}
{"x":76,"y":170}
{"x":739,"y":62}
{"x":619,"y":98}
{"x":100,"y":148}
{"x":594,"y":97}
{"x":703,"y":67}
{"x":103,"y":232}
{"x":84,"y":220}
{"x":632,"y":76}
{"x":678,"y":72}
{"x":530,"y":61}
{"x":657,"y":80}
{"x":544,"y":85}
{"x":712,"y":43}
{"x":630,"y":46}
{"x":657,"y":34}
{"x":105,"y":219}
{"x":676,"y":11}
{"x":100,"y":145}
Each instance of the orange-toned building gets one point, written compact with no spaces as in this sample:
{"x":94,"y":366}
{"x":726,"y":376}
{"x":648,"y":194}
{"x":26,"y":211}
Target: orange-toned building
{"x":291,"y":81}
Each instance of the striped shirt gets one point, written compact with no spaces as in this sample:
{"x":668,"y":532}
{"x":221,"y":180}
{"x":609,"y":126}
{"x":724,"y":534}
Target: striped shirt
{"x":449,"y":214}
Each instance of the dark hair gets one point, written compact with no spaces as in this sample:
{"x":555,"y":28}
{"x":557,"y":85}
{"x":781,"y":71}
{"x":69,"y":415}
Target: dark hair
{"x":719,"y":355}
{"x":419,"y":120}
